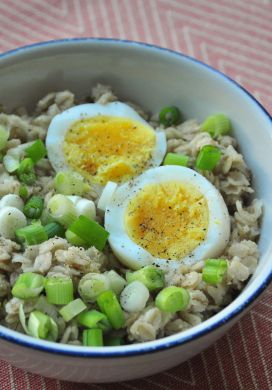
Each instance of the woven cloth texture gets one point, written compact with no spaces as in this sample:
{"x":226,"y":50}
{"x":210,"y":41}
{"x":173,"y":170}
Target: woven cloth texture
{"x":234,"y":36}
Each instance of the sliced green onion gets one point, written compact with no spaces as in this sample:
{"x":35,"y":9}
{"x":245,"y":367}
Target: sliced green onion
{"x":11,"y":163}
{"x":216,"y":125}
{"x":172,"y":299}
{"x":32,"y":234}
{"x":23,"y":192}
{"x":214,"y":270}
{"x":28,"y":285}
{"x":42,"y":326}
{"x":109,"y":305}
{"x":91,"y":285}
{"x":134,"y":297}
{"x":117,"y":283}
{"x":170,"y":116}
{"x":176,"y":159}
{"x":74,"y":239}
{"x":113,"y":341}
{"x":59,"y":290}
{"x":36,"y":151}
{"x":54,"y":229}
{"x":38,"y":324}
{"x":62,"y":209}
{"x":150,"y":276}
{"x":94,"y":319}
{"x":83,"y":206}
{"x":90,"y":231}
{"x":53,"y":331}
{"x":22,"y":318}
{"x":106,"y":195}
{"x":11,"y":219}
{"x":11,"y":200}
{"x":73,"y":309}
{"x":70,"y":183}
{"x":208,"y":158}
{"x":4,"y":135}
{"x":25,"y":171}
{"x":93,"y":338}
{"x":34,"y":207}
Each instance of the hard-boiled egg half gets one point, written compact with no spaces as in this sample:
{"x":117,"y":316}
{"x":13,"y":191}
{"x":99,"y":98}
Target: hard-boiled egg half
{"x":110,"y":142}
{"x":168,"y":216}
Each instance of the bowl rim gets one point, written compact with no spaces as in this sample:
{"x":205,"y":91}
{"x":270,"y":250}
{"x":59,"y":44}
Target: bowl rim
{"x":170,"y":341}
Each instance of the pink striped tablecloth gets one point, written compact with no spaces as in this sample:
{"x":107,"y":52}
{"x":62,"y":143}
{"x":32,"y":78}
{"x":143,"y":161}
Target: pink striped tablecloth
{"x":234,"y":36}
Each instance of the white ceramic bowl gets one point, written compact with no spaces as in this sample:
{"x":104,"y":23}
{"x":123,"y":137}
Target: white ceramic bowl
{"x":152,"y":77}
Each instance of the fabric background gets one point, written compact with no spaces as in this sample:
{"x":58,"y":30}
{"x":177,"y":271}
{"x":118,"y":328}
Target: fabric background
{"x":234,"y":36}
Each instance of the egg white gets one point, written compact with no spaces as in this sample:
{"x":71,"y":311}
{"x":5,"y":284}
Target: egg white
{"x":62,"y":122}
{"x":134,"y":256}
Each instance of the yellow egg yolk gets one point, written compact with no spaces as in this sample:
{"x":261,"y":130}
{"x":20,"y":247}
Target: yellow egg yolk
{"x":107,"y":148}
{"x":168,"y":220}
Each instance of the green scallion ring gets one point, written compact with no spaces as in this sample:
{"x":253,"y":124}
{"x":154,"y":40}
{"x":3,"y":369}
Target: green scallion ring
{"x":94,"y":319}
{"x":217,"y":125}
{"x":28,"y":285}
{"x":73,"y":309}
{"x":93,"y":337}
{"x":109,"y":305}
{"x":34,"y":207}
{"x":208,"y":157}
{"x":36,"y":151}
{"x":170,"y":116}
{"x":214,"y":271}
{"x":172,"y":299}
{"x":59,"y":290}
{"x":176,"y":159}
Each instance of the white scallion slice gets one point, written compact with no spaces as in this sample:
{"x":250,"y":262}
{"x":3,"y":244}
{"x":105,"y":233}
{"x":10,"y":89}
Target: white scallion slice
{"x":106,"y":195}
{"x":91,"y":285}
{"x":11,"y":219}
{"x":117,"y":283}
{"x":83,"y":206}
{"x":73,"y":308}
{"x":11,"y":163}
{"x":134,"y":296}
{"x":62,"y":209}
{"x":12,"y":200}
{"x":22,"y":318}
